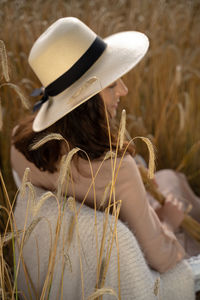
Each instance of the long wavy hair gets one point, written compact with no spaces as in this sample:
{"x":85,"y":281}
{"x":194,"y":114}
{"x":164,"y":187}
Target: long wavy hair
{"x":85,"y":127}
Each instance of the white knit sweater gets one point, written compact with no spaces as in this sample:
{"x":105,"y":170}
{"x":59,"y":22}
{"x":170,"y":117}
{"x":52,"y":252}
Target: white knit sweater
{"x":137,"y":281}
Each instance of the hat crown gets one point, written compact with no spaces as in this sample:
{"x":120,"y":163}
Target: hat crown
{"x":59,"y":48}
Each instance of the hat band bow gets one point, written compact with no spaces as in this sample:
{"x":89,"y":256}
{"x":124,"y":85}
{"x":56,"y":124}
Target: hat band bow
{"x":73,"y":74}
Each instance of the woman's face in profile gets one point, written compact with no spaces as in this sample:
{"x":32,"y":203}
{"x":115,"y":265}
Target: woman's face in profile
{"x":111,"y":95}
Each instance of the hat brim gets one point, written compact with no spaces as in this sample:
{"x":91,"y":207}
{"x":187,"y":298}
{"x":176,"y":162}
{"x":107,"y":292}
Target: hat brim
{"x":124,"y":50}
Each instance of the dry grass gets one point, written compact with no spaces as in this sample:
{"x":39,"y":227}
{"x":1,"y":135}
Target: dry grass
{"x":163,"y":89}
{"x":163,"y":95}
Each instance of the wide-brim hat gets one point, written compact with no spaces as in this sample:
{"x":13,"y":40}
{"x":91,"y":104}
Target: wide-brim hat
{"x":73,"y":64}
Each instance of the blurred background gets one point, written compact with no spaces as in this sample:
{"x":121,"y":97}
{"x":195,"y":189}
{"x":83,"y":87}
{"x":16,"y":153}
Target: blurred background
{"x":164,"y":91}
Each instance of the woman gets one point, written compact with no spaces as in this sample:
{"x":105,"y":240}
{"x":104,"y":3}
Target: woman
{"x":81,"y":75}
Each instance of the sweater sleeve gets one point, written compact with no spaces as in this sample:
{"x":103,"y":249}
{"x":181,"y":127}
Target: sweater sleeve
{"x":159,"y":244}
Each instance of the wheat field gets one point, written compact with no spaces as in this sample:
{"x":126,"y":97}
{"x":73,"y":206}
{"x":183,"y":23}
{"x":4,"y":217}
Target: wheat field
{"x":163,"y":101}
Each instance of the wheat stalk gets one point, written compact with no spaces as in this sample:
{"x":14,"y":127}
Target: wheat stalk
{"x":105,"y":195}
{"x":101,"y":292}
{"x":30,"y":228}
{"x":195,"y":147}
{"x":4,"y":61}
{"x":47,"y":138}
{"x":1,"y":116}
{"x":65,"y":170}
{"x":24,"y":181}
{"x":41,"y":202}
{"x":151,"y":167}
{"x":122,"y":129}
{"x":23,"y":99}
{"x":109,"y":154}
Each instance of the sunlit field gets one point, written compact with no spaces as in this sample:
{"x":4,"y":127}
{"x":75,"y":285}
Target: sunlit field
{"x":163,"y":101}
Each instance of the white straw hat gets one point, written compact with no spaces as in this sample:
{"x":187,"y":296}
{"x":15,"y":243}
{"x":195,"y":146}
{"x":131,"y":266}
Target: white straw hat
{"x":73,"y":64}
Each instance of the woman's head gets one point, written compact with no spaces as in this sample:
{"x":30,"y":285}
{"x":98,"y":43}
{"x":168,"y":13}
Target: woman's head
{"x":85,"y":127}
{"x":111,"y":96}
{"x":73,"y":64}
{"x":78,"y":70}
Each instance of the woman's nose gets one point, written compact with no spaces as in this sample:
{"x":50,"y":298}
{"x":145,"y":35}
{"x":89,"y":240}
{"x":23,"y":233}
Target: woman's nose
{"x":122,"y":89}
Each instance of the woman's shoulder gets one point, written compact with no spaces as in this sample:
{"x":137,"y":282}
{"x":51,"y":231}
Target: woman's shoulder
{"x":124,"y":167}
{"x":125,"y":162}
{"x":106,"y":166}
{"x":129,"y":160}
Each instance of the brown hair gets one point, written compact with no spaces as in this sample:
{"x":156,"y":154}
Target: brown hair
{"x":85,"y":127}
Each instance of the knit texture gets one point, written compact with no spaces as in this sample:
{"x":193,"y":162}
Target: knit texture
{"x":78,"y":249}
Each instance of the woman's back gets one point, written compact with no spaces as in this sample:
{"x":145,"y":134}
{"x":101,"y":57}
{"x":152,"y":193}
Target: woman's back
{"x":104,"y":181}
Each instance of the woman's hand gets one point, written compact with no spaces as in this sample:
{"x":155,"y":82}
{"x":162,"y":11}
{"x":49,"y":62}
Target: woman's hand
{"x":171,"y":212}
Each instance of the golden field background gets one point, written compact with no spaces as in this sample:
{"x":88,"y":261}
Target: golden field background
{"x":163,"y":100}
